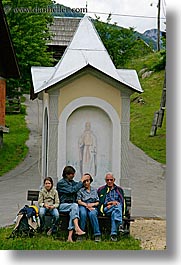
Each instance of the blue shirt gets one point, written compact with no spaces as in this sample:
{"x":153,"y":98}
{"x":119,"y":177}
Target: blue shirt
{"x":67,"y":190}
{"x":86,"y":196}
{"x":112,"y":195}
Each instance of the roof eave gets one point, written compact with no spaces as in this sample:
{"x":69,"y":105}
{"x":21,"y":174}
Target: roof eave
{"x":92,"y":70}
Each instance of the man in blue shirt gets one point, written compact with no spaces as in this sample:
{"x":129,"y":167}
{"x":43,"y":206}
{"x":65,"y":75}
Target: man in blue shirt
{"x":67,"y":190}
{"x":111,"y":203}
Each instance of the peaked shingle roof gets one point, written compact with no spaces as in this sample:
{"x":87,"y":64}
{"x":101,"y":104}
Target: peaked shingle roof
{"x":86,"y":48}
{"x":63,"y":29}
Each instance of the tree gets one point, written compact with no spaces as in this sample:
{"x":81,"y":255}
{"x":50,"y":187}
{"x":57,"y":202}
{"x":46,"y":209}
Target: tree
{"x":117,"y":40}
{"x":29,"y":31}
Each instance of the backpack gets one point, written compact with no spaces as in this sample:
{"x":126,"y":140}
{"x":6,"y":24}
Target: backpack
{"x":27,"y":222}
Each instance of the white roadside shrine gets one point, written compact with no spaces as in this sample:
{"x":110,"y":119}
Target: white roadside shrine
{"x":86,"y":110}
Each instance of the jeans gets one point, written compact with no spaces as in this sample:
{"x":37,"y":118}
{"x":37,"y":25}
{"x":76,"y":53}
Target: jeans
{"x":83,"y":213}
{"x":73,"y":210}
{"x":54,"y":212}
{"x":116,"y":217}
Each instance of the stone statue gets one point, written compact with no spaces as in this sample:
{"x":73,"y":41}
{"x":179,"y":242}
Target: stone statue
{"x":88,"y":151}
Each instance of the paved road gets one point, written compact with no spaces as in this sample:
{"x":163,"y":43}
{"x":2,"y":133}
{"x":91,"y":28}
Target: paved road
{"x":147,"y":177}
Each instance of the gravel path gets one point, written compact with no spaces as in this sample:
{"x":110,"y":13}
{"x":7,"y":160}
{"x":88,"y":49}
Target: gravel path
{"x":151,"y":232}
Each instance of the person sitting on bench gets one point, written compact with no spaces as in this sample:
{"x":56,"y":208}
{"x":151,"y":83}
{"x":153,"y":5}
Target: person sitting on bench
{"x":88,"y":201}
{"x":67,"y":189}
{"x":48,"y":201}
{"x":111,"y":204}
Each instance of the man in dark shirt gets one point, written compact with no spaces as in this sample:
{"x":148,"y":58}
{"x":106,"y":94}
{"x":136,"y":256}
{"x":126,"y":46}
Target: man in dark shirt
{"x":112,"y":203}
{"x":67,"y":189}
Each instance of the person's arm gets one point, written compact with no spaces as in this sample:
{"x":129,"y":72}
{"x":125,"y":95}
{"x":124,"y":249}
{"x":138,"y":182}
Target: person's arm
{"x":79,"y":198}
{"x":92,"y":204}
{"x":41,"y":199}
{"x":57,"y":201}
{"x":112,"y":203}
{"x":82,"y":203}
{"x":65,"y":187}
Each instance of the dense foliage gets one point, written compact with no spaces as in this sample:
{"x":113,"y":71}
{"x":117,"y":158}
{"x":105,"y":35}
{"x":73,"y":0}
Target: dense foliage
{"x":29,"y":28}
{"x":117,"y":40}
{"x":29,"y":32}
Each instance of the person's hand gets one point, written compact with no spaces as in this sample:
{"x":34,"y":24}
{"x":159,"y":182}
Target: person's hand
{"x":84,"y":177}
{"x":115,"y":203}
{"x":46,"y":206}
{"x":112,"y":203}
{"x":90,"y":208}
{"x":91,"y":204}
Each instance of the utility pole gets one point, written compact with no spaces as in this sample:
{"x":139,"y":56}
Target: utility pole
{"x":158,"y":26}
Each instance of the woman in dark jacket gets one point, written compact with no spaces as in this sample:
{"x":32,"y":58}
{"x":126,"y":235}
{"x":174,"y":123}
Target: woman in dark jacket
{"x":67,"y":190}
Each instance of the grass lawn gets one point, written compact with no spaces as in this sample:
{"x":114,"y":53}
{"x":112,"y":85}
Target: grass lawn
{"x":141,"y":116}
{"x":43,"y":242}
{"x":14,"y":149}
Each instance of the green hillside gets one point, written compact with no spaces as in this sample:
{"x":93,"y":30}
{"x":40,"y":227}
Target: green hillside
{"x":143,"y":107}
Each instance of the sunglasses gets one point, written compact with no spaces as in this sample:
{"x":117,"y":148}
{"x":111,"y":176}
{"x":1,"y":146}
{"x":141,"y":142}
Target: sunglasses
{"x":109,"y":180}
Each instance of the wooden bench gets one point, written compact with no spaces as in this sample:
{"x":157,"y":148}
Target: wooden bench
{"x":104,"y":221}
{"x":32,"y":195}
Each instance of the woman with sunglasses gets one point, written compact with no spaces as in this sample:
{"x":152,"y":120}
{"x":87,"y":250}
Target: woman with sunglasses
{"x":111,"y":199}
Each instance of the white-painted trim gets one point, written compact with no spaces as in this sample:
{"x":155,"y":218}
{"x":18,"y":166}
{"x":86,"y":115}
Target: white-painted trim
{"x":112,"y":114}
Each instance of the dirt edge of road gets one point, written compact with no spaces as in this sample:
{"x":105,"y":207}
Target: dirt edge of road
{"x":151,"y":232}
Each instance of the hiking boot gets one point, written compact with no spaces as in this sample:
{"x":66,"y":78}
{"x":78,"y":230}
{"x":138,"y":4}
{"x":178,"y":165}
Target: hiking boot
{"x":49,"y":232}
{"x":97,"y":239}
{"x":114,"y":238}
{"x":120,"y":229}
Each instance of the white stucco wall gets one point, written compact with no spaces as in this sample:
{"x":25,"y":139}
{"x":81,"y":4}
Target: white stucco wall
{"x":105,"y":125}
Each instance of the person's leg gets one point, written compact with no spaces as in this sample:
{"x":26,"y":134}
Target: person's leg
{"x":116,"y":218}
{"x":74,"y":218}
{"x":83,"y":217}
{"x":64,"y":207}
{"x":42,"y":212}
{"x":67,"y":208}
{"x":110,"y":212}
{"x":94,"y":222}
{"x":73,"y":210}
{"x":78,"y":231}
{"x":74,"y":214}
{"x":54,"y":212}
{"x":70,"y":234}
{"x":118,"y":213}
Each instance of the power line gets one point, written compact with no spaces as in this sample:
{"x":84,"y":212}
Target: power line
{"x":122,"y":15}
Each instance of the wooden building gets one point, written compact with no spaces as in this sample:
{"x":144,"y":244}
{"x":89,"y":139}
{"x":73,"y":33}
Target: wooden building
{"x":63,"y":29}
{"x":8,"y":67}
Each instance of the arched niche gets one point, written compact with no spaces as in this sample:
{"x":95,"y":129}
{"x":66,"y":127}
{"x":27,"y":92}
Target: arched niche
{"x":104,"y":124}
